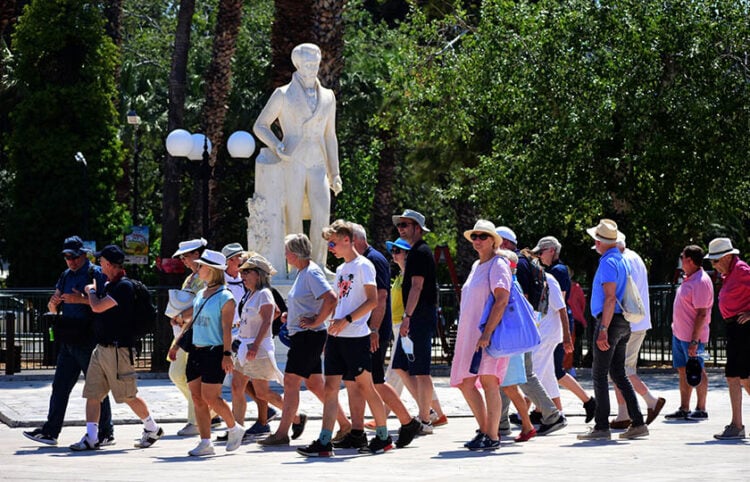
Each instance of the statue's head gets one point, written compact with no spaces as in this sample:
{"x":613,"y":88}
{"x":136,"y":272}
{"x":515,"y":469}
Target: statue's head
{"x":306,"y":59}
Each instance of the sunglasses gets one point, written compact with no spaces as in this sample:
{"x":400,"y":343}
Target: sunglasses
{"x":331,"y":244}
{"x":403,"y":225}
{"x":248,"y":270}
{"x":482,"y":236}
{"x":397,"y":250}
{"x":69,"y":257}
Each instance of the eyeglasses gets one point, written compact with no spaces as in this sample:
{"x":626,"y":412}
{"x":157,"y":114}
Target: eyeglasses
{"x":482,"y":236}
{"x":69,"y":257}
{"x":396,"y":250}
{"x":403,"y":225}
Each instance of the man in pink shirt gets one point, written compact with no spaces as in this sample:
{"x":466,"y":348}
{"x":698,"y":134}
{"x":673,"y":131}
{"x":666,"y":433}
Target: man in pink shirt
{"x":734,"y":305}
{"x":691,"y":315}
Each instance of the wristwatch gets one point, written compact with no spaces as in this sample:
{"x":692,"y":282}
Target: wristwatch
{"x":348,"y":318}
{"x":227,"y":353}
{"x":694,"y":342}
{"x":603,"y":328}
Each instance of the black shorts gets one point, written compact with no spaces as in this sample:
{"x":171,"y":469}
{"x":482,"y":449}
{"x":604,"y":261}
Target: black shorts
{"x":738,"y":350}
{"x":421,"y":330}
{"x":347,"y":357}
{"x":378,"y":360}
{"x":304,"y":354}
{"x":559,"y":355}
{"x":205,"y":363}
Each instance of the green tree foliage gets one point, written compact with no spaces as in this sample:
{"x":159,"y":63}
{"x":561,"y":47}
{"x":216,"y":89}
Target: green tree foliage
{"x":64,"y":67}
{"x":549,"y":115}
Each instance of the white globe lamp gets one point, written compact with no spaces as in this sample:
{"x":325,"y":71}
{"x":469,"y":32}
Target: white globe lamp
{"x":179,"y":143}
{"x":241,"y":145}
{"x":196,"y":153}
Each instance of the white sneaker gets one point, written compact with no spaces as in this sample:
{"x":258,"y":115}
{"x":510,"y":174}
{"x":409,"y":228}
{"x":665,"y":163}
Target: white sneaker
{"x":189,"y":430}
{"x":202,"y":449}
{"x":149,"y":438}
{"x":426,"y":428}
{"x":234,"y":439}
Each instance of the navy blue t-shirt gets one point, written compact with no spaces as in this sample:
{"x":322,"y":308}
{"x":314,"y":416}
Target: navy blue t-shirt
{"x":383,"y":282}
{"x":421,"y":262}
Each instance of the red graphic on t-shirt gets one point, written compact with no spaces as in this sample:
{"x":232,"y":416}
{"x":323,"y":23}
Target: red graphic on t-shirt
{"x":345,"y":286}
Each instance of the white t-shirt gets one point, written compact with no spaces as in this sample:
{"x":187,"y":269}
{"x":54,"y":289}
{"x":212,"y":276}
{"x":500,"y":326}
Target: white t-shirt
{"x":550,"y":326}
{"x":351,"y":279}
{"x":250,"y":321}
{"x":640,"y":278}
{"x":237,"y":288}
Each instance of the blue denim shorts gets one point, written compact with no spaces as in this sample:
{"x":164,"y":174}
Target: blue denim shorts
{"x":680,"y":353}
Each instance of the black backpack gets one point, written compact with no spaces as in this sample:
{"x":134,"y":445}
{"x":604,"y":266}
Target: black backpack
{"x":144,"y":312}
{"x":538,"y":294}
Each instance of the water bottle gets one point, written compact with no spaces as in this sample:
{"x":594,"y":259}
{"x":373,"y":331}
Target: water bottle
{"x":51,"y":334}
{"x":476,"y":360}
{"x":408,"y":346}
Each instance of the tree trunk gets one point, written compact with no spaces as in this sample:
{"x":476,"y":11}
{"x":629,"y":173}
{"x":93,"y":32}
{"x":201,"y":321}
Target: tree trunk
{"x":466,"y":216}
{"x":328,"y":31}
{"x":292,"y":25}
{"x":218,"y":77}
{"x":383,"y":206}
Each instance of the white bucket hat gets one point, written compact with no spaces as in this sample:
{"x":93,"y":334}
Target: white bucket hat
{"x":179,"y":301}
{"x":720,"y":247}
{"x":506,"y":233}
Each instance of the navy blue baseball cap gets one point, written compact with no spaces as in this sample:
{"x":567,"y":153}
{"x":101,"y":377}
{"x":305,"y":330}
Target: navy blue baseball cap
{"x":111,"y":253}
{"x":73,"y":246}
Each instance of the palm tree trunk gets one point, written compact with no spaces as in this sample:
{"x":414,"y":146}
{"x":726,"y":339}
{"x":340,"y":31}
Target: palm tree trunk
{"x":292,"y":25}
{"x":218,"y":78}
{"x":384,"y":206}
{"x":328,"y":32}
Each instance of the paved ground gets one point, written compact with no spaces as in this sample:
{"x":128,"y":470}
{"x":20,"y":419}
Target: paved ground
{"x":674,"y":450}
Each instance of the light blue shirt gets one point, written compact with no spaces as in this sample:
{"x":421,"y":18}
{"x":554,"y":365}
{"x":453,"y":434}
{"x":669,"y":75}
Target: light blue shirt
{"x":612,"y":269}
{"x":304,"y":298}
{"x":207,"y":329}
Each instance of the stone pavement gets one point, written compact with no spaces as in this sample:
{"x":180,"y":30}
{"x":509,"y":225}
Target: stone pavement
{"x":674,"y":450}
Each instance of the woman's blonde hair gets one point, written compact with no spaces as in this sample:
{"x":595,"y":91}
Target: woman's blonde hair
{"x":216,"y":277}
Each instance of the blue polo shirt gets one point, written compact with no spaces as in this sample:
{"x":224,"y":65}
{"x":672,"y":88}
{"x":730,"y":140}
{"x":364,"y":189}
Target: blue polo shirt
{"x":77,"y":280}
{"x":612,"y":269}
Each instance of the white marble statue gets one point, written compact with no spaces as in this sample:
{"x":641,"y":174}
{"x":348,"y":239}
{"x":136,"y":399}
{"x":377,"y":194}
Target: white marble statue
{"x":295,"y":174}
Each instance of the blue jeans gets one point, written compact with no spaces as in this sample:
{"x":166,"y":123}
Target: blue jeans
{"x":612,"y":362}
{"x":71,"y":361}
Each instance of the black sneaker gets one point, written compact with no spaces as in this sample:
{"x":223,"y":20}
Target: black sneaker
{"x":679,"y":414}
{"x":377,"y":446}
{"x":590,"y":408}
{"x":535,"y":417}
{"x":478,"y":436}
{"x":407,"y":433}
{"x":316,"y":449}
{"x":38,"y":436}
{"x":352,"y":441}
{"x":223,"y":437}
{"x":105,"y":440}
{"x":515,"y":419}
{"x":558,"y":424}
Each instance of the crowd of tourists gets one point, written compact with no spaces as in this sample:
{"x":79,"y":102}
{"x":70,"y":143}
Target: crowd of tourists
{"x":519,"y":310}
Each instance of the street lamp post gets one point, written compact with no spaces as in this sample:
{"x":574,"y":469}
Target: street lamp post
{"x":197,"y":147}
{"x":86,"y":208}
{"x":135,"y":121}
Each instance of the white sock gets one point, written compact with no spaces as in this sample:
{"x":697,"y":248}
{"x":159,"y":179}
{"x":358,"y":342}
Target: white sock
{"x":149,"y":424}
{"x":650,"y":399}
{"x":92,"y":431}
{"x":622,"y":412}
{"x":237,"y":426}
{"x":205,"y":442}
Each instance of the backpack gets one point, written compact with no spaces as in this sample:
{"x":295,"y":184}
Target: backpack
{"x":538,"y":294}
{"x":632,"y":304}
{"x":144,"y":311}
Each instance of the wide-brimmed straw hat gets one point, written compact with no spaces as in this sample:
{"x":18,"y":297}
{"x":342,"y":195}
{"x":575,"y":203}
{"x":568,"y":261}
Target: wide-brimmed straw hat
{"x":484,"y":226}
{"x":179,"y":301}
{"x":213,"y":259}
{"x":259,"y":262}
{"x":720,"y":247}
{"x":605,"y":232}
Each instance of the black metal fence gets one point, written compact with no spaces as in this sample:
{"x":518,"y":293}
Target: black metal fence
{"x":22,"y":321}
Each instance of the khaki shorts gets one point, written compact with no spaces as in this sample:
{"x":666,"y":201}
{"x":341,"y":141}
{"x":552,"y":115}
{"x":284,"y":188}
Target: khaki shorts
{"x":110,"y":369}
{"x":258,"y":369}
{"x":631,"y":351}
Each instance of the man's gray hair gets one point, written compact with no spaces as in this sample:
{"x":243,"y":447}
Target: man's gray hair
{"x":358,"y":231}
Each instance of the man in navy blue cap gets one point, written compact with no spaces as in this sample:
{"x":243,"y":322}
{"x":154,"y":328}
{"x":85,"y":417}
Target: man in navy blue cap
{"x":74,"y":335}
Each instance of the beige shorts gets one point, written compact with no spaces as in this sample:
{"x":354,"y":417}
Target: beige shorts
{"x":110,"y":369}
{"x":631,"y":351}
{"x":258,"y":369}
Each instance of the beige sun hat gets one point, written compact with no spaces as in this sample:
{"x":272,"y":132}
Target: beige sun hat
{"x":720,"y":247}
{"x":179,"y":301}
{"x":259,"y":262}
{"x":484,"y":226}
{"x":605,"y":232}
